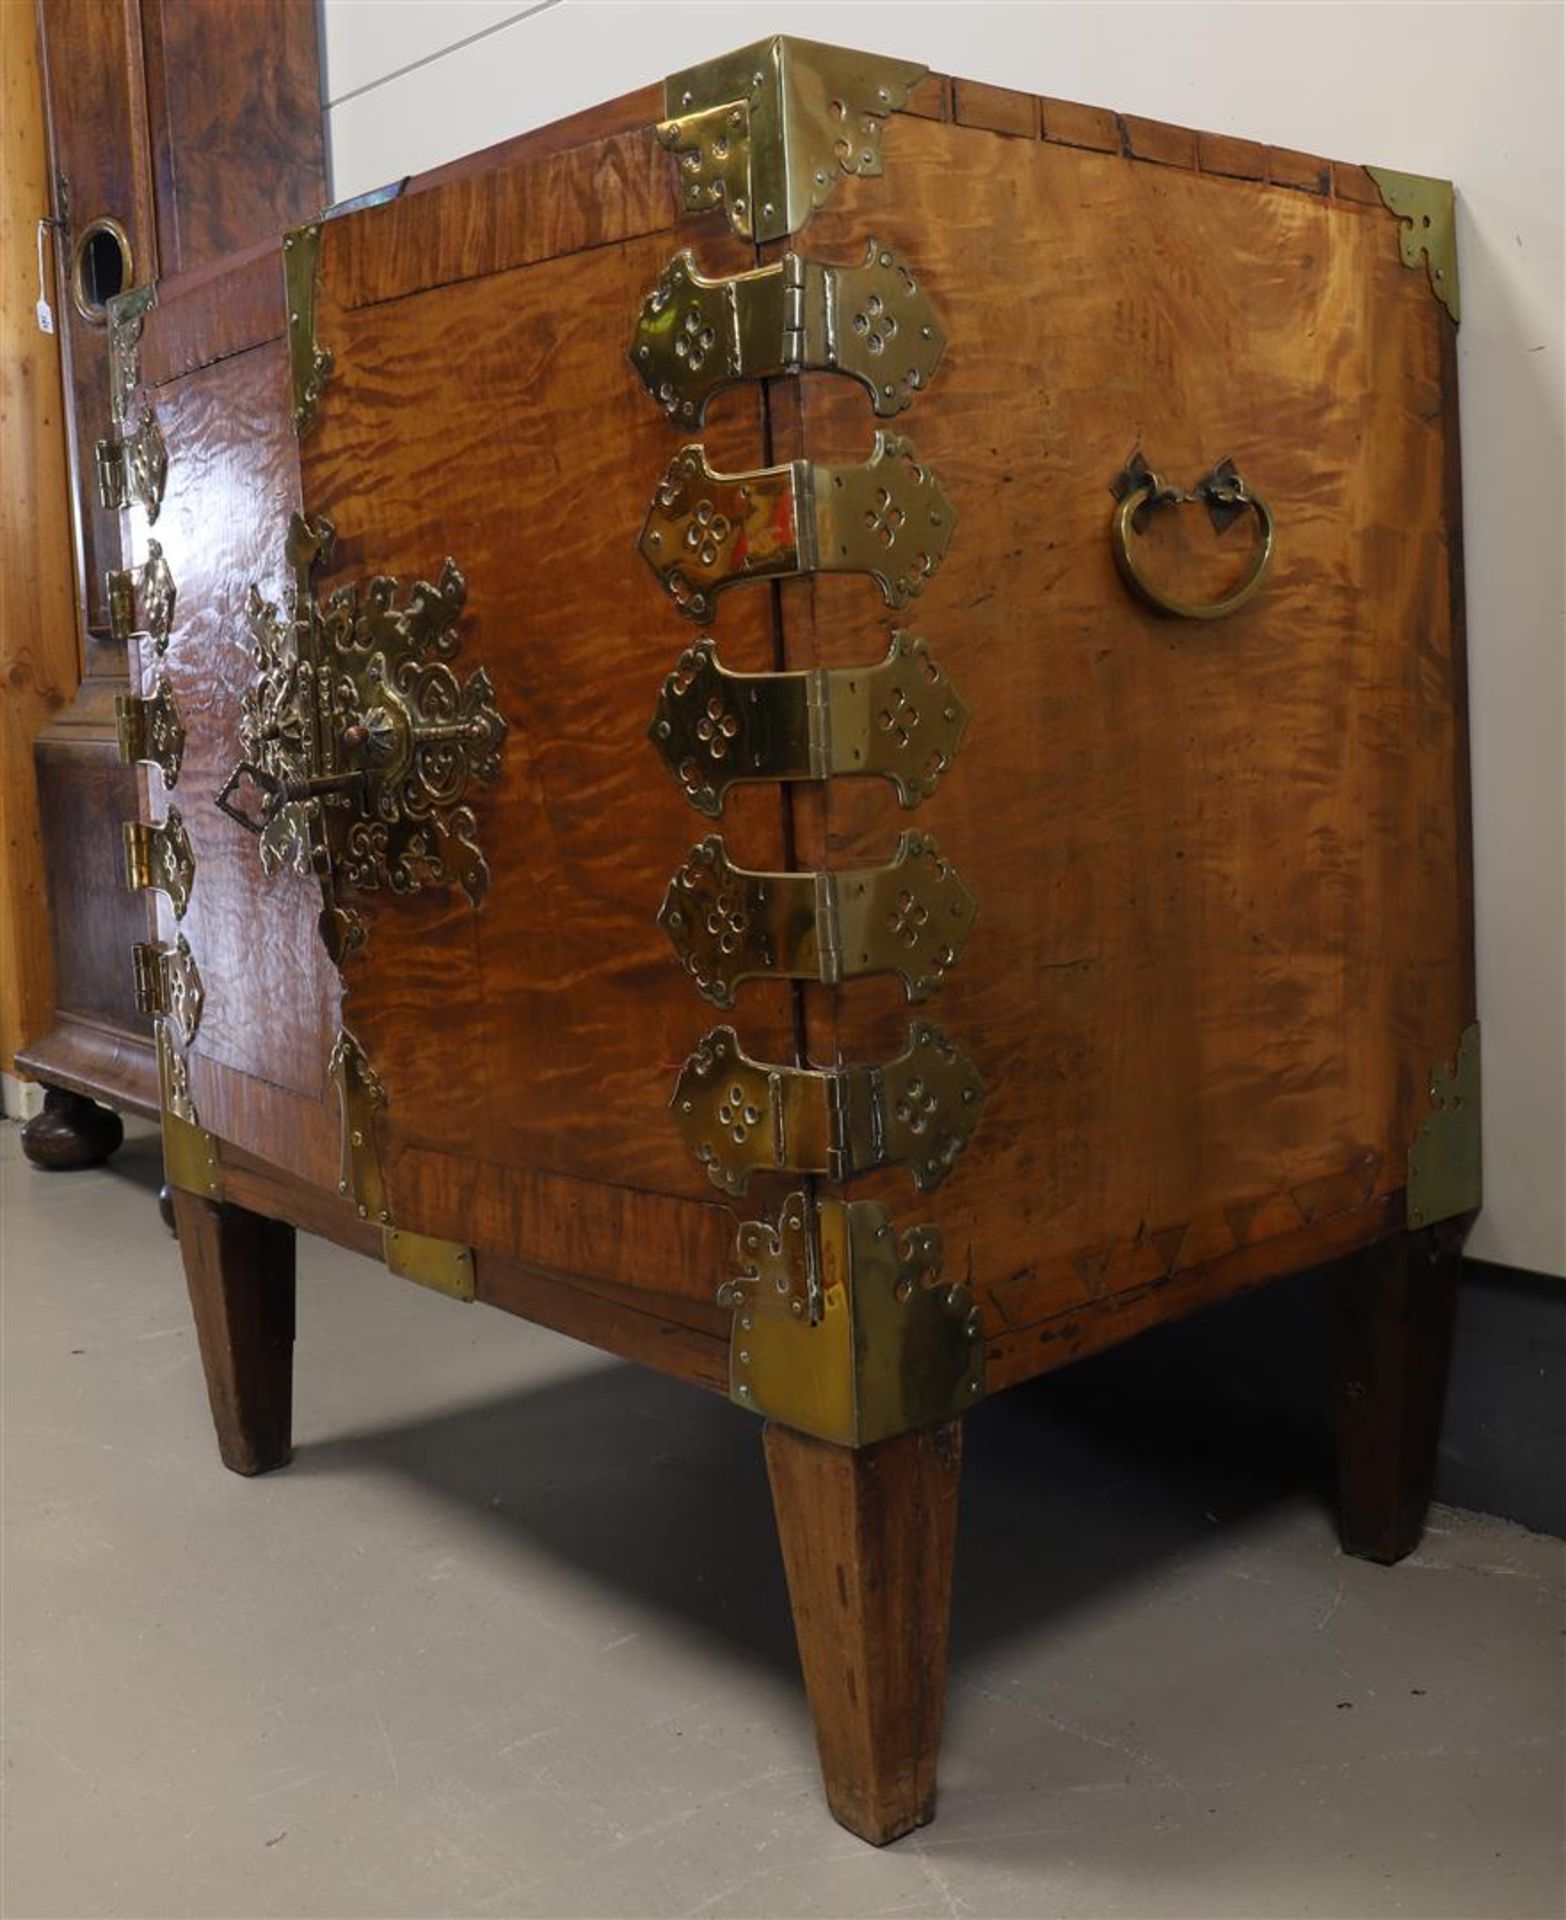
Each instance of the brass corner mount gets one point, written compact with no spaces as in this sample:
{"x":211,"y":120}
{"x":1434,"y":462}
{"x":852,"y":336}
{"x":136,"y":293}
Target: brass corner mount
{"x":1445,"y":1162}
{"x":1427,"y":211}
{"x":764,"y":133}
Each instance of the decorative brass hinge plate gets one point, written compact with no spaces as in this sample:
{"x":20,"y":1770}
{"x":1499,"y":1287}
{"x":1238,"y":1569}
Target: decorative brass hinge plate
{"x":147,"y":589}
{"x":360,"y":743}
{"x":705,"y":531}
{"x":310,"y":365}
{"x":166,"y":983}
{"x":442,"y":1265}
{"x":844,"y":1329}
{"x":872,"y":322}
{"x":149,"y":728}
{"x":740,"y":1116}
{"x":190,"y":1153}
{"x":901,"y":719}
{"x":911,"y":917}
{"x":127,"y":314}
{"x":764,"y":132}
{"x":1445,"y":1163}
{"x":161,"y":856}
{"x":1427,"y":235}
{"x":135,"y":467}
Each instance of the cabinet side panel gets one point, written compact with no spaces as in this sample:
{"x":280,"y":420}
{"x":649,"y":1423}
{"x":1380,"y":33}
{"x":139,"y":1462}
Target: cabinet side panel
{"x":1222,"y":934}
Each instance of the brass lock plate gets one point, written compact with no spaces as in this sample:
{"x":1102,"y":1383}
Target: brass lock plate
{"x":148,"y":727}
{"x":741,"y":1116}
{"x":901,"y":719}
{"x":888,"y":517}
{"x":911,"y":917}
{"x":872,"y":322}
{"x":361,"y":745}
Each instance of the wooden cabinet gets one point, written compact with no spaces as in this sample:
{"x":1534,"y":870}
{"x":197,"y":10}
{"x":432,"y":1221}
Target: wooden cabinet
{"x":845,"y":780}
{"x":179,"y":131}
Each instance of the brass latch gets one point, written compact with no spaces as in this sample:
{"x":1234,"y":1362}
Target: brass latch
{"x":706,"y":531}
{"x":911,"y":917}
{"x":764,"y":132}
{"x":871,"y":322}
{"x":166,"y":984}
{"x":135,"y":467}
{"x":149,"y":728}
{"x":152,"y":586}
{"x":740,"y":1116}
{"x":901,"y":719}
{"x":845,"y":1329}
{"x":361,"y":745}
{"x":161,"y":856}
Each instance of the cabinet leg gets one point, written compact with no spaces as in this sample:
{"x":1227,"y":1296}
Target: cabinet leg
{"x":1394,"y":1307}
{"x":868,"y":1538}
{"x":239,"y":1268}
{"x":72,"y":1132}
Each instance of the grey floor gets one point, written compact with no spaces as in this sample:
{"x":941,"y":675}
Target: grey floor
{"x":510,"y":1638}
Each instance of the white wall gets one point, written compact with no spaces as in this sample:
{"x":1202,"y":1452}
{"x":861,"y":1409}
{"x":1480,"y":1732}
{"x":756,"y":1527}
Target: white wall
{"x":1469,"y":91}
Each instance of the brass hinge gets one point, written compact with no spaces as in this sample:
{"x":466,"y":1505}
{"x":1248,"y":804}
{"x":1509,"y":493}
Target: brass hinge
{"x":149,"y":728}
{"x":764,"y":132}
{"x":310,"y":365}
{"x":167,"y":985}
{"x":127,"y":314}
{"x":872,"y":322}
{"x":705,"y":531}
{"x":911,"y":917}
{"x":1427,"y":233}
{"x":133,"y":467}
{"x":901,"y":719}
{"x":844,"y":1329}
{"x":152,"y":586}
{"x":442,"y":1265}
{"x":741,"y":1116}
{"x":160,"y":855}
{"x":1445,"y":1163}
{"x":191,"y":1158}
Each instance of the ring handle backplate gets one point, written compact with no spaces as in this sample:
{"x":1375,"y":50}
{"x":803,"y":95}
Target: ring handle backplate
{"x":1225,"y":494}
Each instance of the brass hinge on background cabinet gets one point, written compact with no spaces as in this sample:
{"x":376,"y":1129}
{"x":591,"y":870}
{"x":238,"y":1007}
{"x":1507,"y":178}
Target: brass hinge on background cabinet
{"x":1445,"y":1163}
{"x":149,"y":728}
{"x":133,"y":467}
{"x":160,"y":855}
{"x":764,"y":132}
{"x":442,"y":1265}
{"x":911,"y":917}
{"x":167,"y":985}
{"x":870,"y":322}
{"x":741,"y":1116}
{"x":147,"y":590}
{"x":845,"y":1329}
{"x":1427,"y":234}
{"x":887,"y":517}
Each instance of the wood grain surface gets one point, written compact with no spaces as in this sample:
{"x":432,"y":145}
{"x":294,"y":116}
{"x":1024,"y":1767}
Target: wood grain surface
{"x":1222,"y":930}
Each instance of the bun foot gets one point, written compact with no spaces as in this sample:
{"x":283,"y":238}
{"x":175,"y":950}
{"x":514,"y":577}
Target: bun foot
{"x":72,"y":1132}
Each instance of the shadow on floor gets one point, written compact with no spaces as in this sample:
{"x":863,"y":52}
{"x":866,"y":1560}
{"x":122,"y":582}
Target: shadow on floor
{"x":1070,"y":1489}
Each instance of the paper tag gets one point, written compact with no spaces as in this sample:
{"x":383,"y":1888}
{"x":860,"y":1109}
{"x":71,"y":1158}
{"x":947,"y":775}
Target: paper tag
{"x":45,"y":317}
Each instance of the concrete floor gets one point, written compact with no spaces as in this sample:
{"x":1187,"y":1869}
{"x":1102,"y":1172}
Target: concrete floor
{"x":510,"y":1638}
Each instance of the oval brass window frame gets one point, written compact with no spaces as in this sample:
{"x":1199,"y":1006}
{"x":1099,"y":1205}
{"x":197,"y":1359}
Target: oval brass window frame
{"x":98,"y":316}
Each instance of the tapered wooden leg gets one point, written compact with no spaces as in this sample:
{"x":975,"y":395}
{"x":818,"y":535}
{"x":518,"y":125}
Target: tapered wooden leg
{"x":868,"y":1538}
{"x":1394,"y":1307}
{"x":239,"y":1267}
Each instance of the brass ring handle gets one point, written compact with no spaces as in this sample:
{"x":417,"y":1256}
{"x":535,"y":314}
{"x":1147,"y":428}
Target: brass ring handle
{"x":1225,"y":494}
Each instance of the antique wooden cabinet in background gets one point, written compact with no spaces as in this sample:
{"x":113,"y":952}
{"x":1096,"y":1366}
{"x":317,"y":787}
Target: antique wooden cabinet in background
{"x":847,"y":782}
{"x":179,"y":130}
